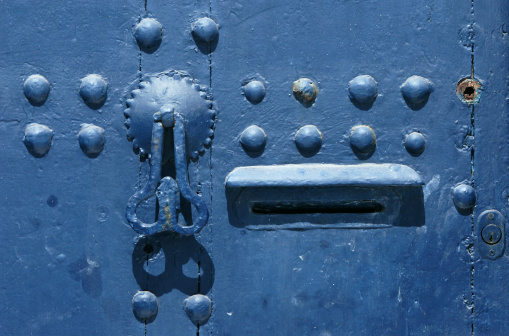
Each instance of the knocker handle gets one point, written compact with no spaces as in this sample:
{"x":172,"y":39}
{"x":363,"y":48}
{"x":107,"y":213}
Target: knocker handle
{"x":167,"y":190}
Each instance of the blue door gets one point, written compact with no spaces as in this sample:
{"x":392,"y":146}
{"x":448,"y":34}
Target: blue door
{"x":254,"y":168}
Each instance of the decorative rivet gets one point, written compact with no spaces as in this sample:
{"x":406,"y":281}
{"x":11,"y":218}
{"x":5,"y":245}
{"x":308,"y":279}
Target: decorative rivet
{"x":362,"y":139}
{"x":145,"y":304}
{"x":198,"y":308}
{"x":205,"y":29}
{"x":363,"y":90}
{"x":38,"y":139}
{"x":91,"y":139}
{"x":253,"y":139}
{"x":148,"y":34}
{"x":469,"y":90}
{"x":254,"y":92}
{"x":308,"y":140}
{"x":305,"y":91}
{"x":36,"y":89}
{"x":416,"y":91}
{"x":93,"y":91}
{"x":415,"y":143}
{"x":464,"y":196}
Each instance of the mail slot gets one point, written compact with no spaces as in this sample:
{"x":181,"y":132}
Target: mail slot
{"x":324,"y":196}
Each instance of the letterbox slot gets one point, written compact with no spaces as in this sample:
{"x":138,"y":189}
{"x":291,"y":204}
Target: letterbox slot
{"x":323,"y":196}
{"x":339,"y":207}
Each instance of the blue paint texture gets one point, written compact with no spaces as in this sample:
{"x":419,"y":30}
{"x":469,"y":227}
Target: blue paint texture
{"x":270,"y":228}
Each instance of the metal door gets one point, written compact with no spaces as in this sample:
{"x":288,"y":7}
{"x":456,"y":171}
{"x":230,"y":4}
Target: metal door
{"x":347,"y":159}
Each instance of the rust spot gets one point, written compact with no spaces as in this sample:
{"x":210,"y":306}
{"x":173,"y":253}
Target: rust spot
{"x":469,"y":90}
{"x":167,"y":214}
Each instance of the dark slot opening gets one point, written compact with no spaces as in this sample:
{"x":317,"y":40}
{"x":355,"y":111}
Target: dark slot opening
{"x":296,"y":207}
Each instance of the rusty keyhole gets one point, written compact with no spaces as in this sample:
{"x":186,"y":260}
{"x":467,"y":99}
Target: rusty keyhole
{"x":469,"y":90}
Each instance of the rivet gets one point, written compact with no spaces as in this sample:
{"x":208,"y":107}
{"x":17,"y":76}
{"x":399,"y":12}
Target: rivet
{"x":464,"y":196}
{"x":363,"y":90}
{"x":52,"y":201}
{"x":491,"y":215}
{"x":308,"y":140}
{"x":415,"y":143}
{"x":253,"y":139}
{"x":416,"y":91}
{"x":91,"y":139}
{"x":305,"y":91}
{"x":469,"y":90}
{"x":145,"y":304}
{"x":36,"y":89}
{"x":93,"y":91}
{"x":198,"y":308}
{"x":362,"y":139}
{"x":148,"y":34}
{"x":254,"y":92}
{"x":205,"y":29}
{"x":38,"y":139}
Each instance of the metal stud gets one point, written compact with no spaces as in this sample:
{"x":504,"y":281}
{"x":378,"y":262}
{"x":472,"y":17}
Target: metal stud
{"x":205,"y":29}
{"x":362,"y":139}
{"x":38,"y":139}
{"x":305,"y":91}
{"x":363,"y":90}
{"x":254,"y":92}
{"x":464,"y":196}
{"x":415,"y":143}
{"x":145,"y":304}
{"x":92,"y":139}
{"x":416,"y":91}
{"x":253,"y":139}
{"x":36,"y":89}
{"x":93,"y":91}
{"x":198,"y":308}
{"x":148,"y":34}
{"x":308,"y":140}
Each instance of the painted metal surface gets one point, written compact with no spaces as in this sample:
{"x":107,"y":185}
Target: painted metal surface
{"x":355,"y":180}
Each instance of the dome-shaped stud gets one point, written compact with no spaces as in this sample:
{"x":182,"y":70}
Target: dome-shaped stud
{"x":253,"y":139}
{"x":198,"y":308}
{"x":148,"y":34}
{"x":92,"y":139}
{"x":205,"y":29}
{"x":36,"y":89}
{"x":145,"y":305}
{"x":308,"y":140}
{"x":362,"y":139}
{"x":415,"y":143}
{"x":305,"y":91}
{"x":38,"y":139}
{"x":416,"y":91}
{"x":254,"y":92}
{"x":464,"y":196}
{"x":363,"y":90}
{"x":93,"y":91}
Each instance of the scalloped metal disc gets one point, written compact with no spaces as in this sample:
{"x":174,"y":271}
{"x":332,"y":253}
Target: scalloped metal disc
{"x":175,"y":89}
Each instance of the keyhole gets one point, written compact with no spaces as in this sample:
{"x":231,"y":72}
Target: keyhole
{"x":491,"y":237}
{"x":469,"y":93}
